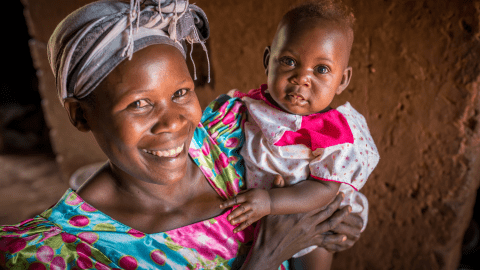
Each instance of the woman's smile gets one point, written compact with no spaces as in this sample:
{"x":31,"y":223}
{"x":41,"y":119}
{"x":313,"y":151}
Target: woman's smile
{"x":173,"y":152}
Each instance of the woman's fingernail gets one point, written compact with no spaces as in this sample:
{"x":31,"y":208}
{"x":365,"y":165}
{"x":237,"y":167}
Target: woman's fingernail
{"x":344,"y":238}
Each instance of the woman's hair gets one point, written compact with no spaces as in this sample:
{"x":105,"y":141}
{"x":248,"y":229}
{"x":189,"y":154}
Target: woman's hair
{"x":331,"y":10}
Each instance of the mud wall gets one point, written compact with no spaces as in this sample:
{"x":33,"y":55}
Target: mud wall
{"x":416,"y":80}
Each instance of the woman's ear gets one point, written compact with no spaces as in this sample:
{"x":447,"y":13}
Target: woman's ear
{"x":347,"y":75}
{"x":266,"y":58}
{"x":76,"y":113}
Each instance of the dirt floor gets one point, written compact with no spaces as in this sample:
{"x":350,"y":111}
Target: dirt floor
{"x":28,"y":185}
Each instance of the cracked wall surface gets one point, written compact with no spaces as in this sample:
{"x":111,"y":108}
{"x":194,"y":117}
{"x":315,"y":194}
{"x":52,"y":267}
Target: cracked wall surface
{"x":416,"y":78}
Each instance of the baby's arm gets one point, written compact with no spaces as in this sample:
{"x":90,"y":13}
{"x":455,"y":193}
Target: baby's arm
{"x":305,"y":196}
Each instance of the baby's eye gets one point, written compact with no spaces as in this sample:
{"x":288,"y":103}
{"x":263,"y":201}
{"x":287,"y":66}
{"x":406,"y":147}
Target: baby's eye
{"x":288,"y":61}
{"x":322,"y":69}
{"x":139,"y":104}
{"x":180,"y":93}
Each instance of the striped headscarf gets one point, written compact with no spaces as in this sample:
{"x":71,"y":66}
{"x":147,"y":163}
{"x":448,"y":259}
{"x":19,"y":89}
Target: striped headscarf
{"x":90,"y":42}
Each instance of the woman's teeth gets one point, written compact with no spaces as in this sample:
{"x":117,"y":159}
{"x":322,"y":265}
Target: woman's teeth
{"x":166,"y":153}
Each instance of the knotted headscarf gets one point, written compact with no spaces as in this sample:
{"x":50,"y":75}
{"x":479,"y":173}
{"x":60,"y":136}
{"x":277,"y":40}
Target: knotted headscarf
{"x":90,"y":42}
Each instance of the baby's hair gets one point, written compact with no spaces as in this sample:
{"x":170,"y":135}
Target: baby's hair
{"x":332,"y":10}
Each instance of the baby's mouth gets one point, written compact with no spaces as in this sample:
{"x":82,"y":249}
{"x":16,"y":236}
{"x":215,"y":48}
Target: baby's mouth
{"x":166,"y":153}
{"x":297,"y":99}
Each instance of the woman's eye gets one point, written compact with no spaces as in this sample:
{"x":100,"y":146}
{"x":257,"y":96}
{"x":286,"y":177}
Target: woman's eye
{"x":322,"y":69}
{"x":288,"y":61}
{"x":180,"y":93}
{"x":139,"y":104}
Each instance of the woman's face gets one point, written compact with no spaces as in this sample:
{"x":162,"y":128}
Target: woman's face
{"x":145,"y":113}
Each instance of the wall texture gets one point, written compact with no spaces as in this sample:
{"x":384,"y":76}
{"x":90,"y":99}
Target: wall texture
{"x":416,"y":78}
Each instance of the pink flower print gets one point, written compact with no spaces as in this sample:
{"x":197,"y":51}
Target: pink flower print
{"x":213,"y":137}
{"x":211,"y":238}
{"x":205,"y":149}
{"x":214,"y":122}
{"x":223,"y":160}
{"x":206,"y":171}
{"x":356,"y":160}
{"x":361,"y":153}
{"x":236,"y":107}
{"x":361,"y":138}
{"x":233,"y":159}
{"x":366,"y":151}
{"x":347,"y":158}
{"x":333,"y":156}
{"x":325,"y":166}
{"x":343,"y":167}
{"x":231,"y":143}
{"x":194,"y":152}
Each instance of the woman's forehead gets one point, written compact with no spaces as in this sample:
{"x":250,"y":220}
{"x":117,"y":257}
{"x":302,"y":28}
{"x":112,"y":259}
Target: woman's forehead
{"x":152,"y":67}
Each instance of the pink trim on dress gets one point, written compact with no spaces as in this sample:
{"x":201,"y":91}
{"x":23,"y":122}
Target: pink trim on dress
{"x":324,"y":179}
{"x":319,"y":130}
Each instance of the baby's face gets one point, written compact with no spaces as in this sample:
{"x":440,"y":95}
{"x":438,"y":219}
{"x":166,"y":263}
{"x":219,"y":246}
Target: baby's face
{"x":145,"y":115}
{"x":307,"y":65}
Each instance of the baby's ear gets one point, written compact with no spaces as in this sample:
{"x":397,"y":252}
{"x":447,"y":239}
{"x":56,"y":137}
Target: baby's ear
{"x":76,"y":113}
{"x":347,"y":75}
{"x":266,"y":58}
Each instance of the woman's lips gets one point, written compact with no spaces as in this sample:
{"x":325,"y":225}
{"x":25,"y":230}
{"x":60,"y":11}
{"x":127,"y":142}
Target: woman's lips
{"x":166,"y":153}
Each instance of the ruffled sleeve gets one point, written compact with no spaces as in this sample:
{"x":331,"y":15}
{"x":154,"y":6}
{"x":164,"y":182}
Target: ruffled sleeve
{"x":349,"y":163}
{"x":217,"y":142}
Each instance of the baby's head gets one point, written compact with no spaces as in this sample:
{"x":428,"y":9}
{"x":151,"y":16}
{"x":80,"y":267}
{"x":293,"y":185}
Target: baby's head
{"x":307,"y":63}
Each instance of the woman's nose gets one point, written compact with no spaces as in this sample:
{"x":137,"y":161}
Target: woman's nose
{"x":301,"y":77}
{"x":170,"y":121}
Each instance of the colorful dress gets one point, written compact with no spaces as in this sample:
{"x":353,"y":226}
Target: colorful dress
{"x":74,"y":235}
{"x":331,"y":146}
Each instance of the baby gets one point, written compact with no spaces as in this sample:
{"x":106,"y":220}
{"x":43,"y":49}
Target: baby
{"x":291,"y":129}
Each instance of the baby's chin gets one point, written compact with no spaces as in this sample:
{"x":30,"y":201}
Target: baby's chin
{"x":298,"y":110}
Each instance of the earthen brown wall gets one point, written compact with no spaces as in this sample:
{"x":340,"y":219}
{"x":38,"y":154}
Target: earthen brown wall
{"x":416,"y":78}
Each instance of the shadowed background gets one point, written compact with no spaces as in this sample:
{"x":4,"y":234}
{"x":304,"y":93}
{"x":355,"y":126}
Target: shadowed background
{"x":415,"y":79}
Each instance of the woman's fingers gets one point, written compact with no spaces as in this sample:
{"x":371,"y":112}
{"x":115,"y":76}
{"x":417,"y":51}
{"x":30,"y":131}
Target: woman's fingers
{"x":349,"y":231}
{"x":354,"y":220}
{"x":337,"y":246}
{"x":335,"y":219}
{"x":331,"y":239}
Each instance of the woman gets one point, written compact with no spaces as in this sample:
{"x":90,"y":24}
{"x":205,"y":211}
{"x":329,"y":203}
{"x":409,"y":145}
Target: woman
{"x":155,"y":204}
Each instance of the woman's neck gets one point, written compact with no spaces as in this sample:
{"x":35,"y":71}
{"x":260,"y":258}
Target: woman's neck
{"x":150,"y":207}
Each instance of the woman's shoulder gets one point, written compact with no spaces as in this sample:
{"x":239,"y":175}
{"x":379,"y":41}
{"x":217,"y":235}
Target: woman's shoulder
{"x":216,"y":145}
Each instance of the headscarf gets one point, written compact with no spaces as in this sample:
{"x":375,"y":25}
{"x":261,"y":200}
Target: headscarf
{"x":90,"y":42}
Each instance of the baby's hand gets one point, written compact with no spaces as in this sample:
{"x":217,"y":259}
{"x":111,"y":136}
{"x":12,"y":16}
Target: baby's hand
{"x":253,"y":204}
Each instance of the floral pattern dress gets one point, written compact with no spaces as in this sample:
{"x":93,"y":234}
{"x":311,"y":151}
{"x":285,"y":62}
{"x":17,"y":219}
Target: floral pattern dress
{"x":74,"y":235}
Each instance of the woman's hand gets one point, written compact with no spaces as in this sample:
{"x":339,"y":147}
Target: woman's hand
{"x":279,"y":237}
{"x":351,"y":228}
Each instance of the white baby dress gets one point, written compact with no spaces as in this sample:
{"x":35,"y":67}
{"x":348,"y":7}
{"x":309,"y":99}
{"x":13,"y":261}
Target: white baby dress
{"x":332,"y":146}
